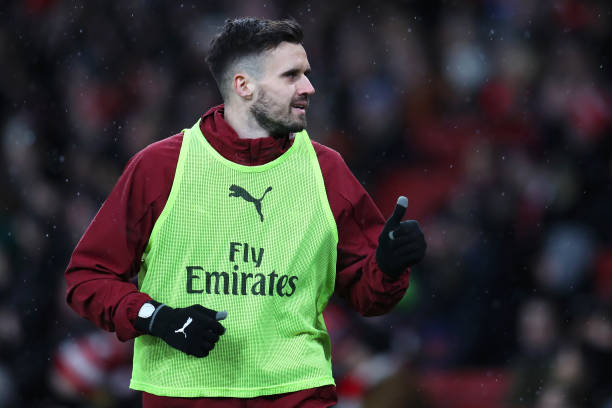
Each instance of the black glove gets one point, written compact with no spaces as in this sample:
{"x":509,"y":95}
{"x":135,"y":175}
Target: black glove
{"x":193,"y":330}
{"x":400,"y":244}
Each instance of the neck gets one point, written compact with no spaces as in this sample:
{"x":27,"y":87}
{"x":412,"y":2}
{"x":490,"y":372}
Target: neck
{"x":243,"y":123}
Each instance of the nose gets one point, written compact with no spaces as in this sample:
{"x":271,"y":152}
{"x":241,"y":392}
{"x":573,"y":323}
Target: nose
{"x":305,"y":86}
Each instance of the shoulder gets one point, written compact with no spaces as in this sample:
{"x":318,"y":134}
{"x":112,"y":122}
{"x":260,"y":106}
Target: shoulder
{"x":160,"y":152}
{"x":148,"y":176}
{"x":329,"y":157}
{"x":157,"y":158}
{"x":340,"y":182}
{"x":349,"y":201}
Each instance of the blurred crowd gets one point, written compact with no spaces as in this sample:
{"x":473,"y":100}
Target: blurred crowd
{"x":492,"y":116}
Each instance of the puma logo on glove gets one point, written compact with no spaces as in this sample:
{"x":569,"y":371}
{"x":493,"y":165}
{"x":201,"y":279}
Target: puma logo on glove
{"x":182,"y":329}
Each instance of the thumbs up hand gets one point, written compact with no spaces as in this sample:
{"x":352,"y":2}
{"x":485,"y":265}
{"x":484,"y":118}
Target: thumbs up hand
{"x":401,"y":244}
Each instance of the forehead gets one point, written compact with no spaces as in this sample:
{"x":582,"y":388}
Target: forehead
{"x":285,"y":57}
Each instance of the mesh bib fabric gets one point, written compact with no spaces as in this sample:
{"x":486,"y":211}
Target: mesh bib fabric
{"x":259,"y":242}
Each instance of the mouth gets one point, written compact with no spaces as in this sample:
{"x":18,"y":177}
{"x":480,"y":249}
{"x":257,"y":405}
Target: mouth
{"x":299,"y":106}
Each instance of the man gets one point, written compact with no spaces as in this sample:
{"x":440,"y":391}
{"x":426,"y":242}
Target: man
{"x":240,"y":228}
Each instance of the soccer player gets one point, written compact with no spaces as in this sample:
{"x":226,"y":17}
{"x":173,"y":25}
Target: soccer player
{"x":239,"y":229}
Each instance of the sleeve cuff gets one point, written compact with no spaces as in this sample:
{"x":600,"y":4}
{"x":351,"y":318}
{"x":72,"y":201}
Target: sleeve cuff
{"x":127,"y":313}
{"x":390,"y":285}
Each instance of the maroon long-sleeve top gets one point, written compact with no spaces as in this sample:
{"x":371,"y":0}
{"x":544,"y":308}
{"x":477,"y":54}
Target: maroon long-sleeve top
{"x":99,"y":276}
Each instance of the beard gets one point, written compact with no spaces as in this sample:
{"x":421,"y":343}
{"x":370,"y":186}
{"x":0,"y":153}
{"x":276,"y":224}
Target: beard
{"x":278,"y":120}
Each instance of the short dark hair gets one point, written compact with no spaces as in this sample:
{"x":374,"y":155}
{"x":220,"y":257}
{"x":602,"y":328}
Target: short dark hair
{"x":242,"y":37}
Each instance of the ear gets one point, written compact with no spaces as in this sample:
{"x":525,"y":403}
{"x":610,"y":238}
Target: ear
{"x":243,"y":86}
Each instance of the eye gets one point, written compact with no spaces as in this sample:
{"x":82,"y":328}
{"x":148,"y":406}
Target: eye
{"x":291,"y":74}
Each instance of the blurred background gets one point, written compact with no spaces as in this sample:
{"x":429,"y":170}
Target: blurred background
{"x":492,"y":116}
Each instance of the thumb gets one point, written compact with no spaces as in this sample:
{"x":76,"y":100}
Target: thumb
{"x":398,"y":213}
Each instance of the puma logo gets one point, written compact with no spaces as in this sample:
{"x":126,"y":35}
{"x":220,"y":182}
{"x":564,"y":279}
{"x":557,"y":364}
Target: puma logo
{"x":182,"y":329}
{"x":237,"y":191}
